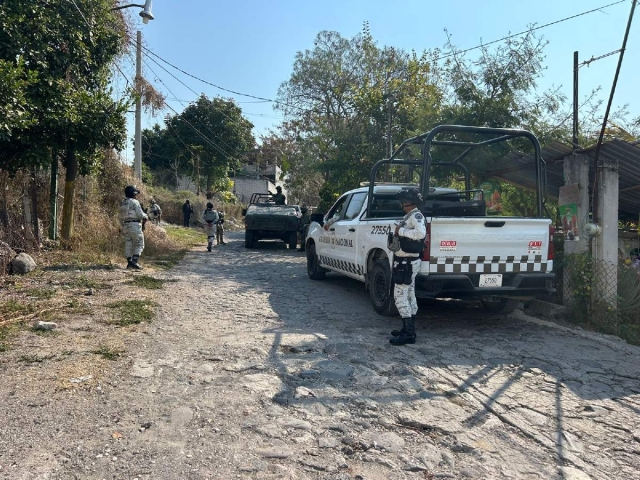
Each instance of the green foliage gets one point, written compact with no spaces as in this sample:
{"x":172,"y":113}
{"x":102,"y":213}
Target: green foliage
{"x":54,"y":62}
{"x":145,"y":281}
{"x":590,"y":282}
{"x":108,"y":353}
{"x":349,"y":99}
{"x":131,"y":312}
{"x":205,"y":141}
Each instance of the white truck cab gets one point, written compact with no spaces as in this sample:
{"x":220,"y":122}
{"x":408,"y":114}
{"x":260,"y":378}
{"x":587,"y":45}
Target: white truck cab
{"x":500,"y":259}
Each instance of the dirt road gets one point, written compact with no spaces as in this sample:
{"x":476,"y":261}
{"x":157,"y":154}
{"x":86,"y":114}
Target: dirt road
{"x":251,"y":370}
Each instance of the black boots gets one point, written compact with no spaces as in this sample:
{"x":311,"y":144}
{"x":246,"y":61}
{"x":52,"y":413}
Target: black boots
{"x":132,"y":263}
{"x":407,"y":334}
{"x":395,"y":333}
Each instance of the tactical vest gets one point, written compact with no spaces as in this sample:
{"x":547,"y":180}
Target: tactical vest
{"x":210,"y":216}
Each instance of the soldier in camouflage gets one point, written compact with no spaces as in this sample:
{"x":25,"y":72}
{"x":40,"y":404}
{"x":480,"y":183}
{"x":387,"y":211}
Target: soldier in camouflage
{"x":132,"y":216}
{"x":279,"y":197}
{"x":210,"y":218}
{"x":220,"y":229}
{"x":412,"y":231}
{"x":305,"y":220}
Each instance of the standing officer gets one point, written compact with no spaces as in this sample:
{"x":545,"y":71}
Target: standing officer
{"x":132,"y":217}
{"x":220,"y":229}
{"x":406,"y":264}
{"x":209,"y":220}
{"x":305,"y":220}
{"x":187,"y":210}
{"x":156,"y":212}
{"x":278,"y":197}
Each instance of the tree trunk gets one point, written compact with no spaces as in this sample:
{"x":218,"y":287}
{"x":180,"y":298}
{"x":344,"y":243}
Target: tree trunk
{"x":209,"y":182}
{"x":53,"y":197}
{"x":71,"y":164}
{"x":34,"y":202}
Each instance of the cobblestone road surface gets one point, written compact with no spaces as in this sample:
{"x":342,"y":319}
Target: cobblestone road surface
{"x":254,"y":371}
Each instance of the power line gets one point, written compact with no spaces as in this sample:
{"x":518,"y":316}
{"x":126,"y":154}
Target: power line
{"x":81,"y":14}
{"x":263,"y":99}
{"x":208,"y":140}
{"x":150,"y":52}
{"x":593,"y":59}
{"x":205,"y":126}
{"x":530,"y":30}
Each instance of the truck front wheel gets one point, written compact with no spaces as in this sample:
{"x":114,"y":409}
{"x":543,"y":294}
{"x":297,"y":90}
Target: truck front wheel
{"x":314,"y":270}
{"x":381,"y":288}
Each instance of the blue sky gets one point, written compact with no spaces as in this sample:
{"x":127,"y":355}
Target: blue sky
{"x":250,"y":46}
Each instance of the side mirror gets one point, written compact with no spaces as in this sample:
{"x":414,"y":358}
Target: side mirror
{"x":244,"y":212}
{"x":317,"y":217}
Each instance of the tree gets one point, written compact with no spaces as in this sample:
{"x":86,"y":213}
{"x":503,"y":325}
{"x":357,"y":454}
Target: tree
{"x":57,"y":54}
{"x":207,"y":139}
{"x":349,"y":99}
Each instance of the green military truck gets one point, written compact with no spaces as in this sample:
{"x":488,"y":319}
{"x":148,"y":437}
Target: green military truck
{"x":264,"y":219}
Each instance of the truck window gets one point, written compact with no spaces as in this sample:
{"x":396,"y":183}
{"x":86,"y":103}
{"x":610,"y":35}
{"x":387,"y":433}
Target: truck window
{"x":386,"y":206}
{"x":336,"y":211}
{"x":355,"y":205}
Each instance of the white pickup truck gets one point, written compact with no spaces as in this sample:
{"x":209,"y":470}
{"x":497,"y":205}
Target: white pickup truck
{"x":500,"y":259}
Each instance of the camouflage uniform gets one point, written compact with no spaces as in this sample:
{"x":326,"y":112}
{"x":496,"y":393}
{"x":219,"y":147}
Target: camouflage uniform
{"x":305,"y":220}
{"x":220,"y":229}
{"x":132,"y":216}
{"x":411,"y":231}
{"x":412,"y":226}
{"x":209,"y":219}
{"x":156,"y":212}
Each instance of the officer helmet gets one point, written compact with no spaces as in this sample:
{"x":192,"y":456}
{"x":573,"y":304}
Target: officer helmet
{"x":209,"y":205}
{"x":304,"y":209}
{"x":279,"y":188}
{"x":412,"y":195}
{"x":130,"y":191}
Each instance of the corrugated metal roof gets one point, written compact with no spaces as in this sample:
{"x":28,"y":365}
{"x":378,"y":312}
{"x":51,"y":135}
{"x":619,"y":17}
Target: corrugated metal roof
{"x":626,"y":154}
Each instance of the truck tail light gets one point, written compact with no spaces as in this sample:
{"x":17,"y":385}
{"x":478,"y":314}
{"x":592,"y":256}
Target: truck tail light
{"x":426,"y":253}
{"x":550,"y":251}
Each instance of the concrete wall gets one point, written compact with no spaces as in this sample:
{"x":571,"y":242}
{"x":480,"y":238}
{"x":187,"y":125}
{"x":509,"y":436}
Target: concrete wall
{"x":185,"y":183}
{"x":244,"y":187}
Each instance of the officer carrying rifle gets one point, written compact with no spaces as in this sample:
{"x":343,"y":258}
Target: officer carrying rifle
{"x":133,"y":219}
{"x":407,"y":243}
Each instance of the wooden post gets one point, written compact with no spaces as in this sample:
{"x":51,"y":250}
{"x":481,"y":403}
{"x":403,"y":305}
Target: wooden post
{"x":71,"y":164}
{"x":53,"y":198}
{"x":34,"y":206}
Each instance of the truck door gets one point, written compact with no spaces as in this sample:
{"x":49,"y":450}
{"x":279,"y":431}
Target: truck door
{"x":326,"y":248}
{"x":345,"y":240}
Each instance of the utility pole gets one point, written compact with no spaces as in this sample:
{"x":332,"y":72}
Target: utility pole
{"x":575,"y":100}
{"x":606,"y":114}
{"x":137,"y":162}
{"x":389,"y":139}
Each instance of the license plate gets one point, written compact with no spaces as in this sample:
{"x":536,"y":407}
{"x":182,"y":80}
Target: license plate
{"x":493,"y":280}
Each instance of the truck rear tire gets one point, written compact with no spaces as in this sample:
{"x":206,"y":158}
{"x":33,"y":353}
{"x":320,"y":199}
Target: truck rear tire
{"x":249,"y":239}
{"x":293,"y":240}
{"x":314,"y":270}
{"x":502,"y":306}
{"x":381,"y":288}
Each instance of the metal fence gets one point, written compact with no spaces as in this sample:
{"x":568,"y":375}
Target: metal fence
{"x":601,"y":295}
